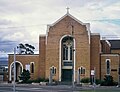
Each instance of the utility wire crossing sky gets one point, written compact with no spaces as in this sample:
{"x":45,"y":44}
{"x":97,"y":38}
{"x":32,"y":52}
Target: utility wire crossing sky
{"x":22,"y":21}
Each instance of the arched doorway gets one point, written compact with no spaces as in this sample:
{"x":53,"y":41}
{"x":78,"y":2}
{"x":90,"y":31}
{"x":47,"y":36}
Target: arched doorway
{"x":66,"y":58}
{"x":19,"y":69}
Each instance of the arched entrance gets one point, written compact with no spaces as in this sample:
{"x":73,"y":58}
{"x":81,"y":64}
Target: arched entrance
{"x":66,"y":58}
{"x":19,"y":69}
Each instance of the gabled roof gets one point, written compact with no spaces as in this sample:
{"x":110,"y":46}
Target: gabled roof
{"x":115,"y":44}
{"x":68,"y":14}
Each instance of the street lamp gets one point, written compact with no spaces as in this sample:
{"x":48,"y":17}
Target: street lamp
{"x":14,"y":69}
{"x":119,"y":74}
{"x":73,"y":56}
{"x":73,"y":67}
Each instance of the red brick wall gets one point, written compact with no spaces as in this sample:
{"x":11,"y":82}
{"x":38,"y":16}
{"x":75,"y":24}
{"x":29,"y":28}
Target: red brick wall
{"x":95,"y":54}
{"x":82,"y":45}
{"x":42,"y":53}
{"x":26,"y":59}
{"x":105,"y":48}
{"x":114,"y":64}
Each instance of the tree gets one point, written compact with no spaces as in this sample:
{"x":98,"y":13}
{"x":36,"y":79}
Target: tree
{"x":108,"y":81}
{"x":25,"y":76}
{"x":25,"y":48}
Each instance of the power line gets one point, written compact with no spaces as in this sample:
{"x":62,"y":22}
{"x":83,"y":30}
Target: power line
{"x":11,"y":27}
{"x":111,"y":36}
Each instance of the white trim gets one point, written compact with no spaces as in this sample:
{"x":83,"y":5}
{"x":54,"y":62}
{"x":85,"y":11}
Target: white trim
{"x":25,"y":55}
{"x":95,"y":33}
{"x":10,"y":75}
{"x":67,"y":67}
{"x":67,"y":14}
{"x":42,"y":35}
{"x":110,"y":55}
{"x":108,"y":43}
{"x":83,"y":68}
{"x":47,"y":33}
{"x":54,"y":68}
{"x":104,"y":38}
{"x":60,"y":56}
{"x":88,"y":29}
{"x":109,"y":66}
{"x":32,"y":62}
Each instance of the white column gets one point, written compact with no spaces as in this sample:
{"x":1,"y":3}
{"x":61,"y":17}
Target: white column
{"x":68,"y":53}
{"x":10,"y":79}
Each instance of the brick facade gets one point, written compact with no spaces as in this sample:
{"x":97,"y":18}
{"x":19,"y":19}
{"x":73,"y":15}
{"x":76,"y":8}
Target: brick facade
{"x":114,"y":65}
{"x":82,"y":46}
{"x":95,"y":54}
{"x":89,"y":51}
{"x":25,"y":60}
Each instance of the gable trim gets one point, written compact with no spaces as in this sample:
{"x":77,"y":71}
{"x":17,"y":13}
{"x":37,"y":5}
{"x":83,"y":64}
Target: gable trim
{"x":68,"y":14}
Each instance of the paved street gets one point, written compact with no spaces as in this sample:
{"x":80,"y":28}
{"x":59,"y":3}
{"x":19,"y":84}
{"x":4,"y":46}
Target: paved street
{"x":37,"y":88}
{"x":56,"y":88}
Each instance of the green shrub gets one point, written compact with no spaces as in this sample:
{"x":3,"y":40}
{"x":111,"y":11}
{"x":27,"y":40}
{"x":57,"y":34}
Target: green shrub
{"x":28,"y":81}
{"x":85,"y":80}
{"x":108,"y":81}
{"x":89,"y":80}
{"x":98,"y":81}
{"x":25,"y":76}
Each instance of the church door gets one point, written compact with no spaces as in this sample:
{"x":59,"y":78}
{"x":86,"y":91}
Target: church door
{"x":67,"y":44}
{"x":67,"y":75}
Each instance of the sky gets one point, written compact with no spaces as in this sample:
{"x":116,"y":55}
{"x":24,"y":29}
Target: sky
{"x":22,"y":21}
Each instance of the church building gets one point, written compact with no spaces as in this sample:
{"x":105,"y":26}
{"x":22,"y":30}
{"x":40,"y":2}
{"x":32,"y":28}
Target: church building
{"x":70,"y":49}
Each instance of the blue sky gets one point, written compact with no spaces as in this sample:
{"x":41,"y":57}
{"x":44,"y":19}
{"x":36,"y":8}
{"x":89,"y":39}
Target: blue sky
{"x":24,"y":20}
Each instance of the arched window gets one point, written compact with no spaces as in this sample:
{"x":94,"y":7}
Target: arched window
{"x":65,"y":52}
{"x":32,"y":67}
{"x":53,"y":69}
{"x":107,"y":66}
{"x":82,"y":70}
{"x":71,"y":48}
{"x":67,"y":43}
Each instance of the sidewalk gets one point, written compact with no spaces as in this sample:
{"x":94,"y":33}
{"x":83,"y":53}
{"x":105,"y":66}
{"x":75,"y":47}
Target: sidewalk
{"x":60,"y":86}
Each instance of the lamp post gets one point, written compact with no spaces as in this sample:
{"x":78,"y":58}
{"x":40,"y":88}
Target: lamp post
{"x":73,"y":57}
{"x":119,"y":74}
{"x":73,"y":68}
{"x":14,"y":69}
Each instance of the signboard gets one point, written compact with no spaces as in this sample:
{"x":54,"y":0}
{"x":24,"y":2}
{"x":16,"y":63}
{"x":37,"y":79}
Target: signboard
{"x":27,"y":67}
{"x":114,"y":70}
{"x":92,"y":72}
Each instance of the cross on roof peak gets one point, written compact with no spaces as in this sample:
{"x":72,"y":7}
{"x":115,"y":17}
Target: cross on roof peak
{"x":67,"y":9}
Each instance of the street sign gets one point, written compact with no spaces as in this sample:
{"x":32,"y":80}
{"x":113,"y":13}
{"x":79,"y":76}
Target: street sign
{"x":92,"y":72}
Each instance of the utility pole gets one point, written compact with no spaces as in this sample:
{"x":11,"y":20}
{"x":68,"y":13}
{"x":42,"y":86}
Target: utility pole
{"x":73,"y":57}
{"x":14,"y":70}
{"x":119,"y":74}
